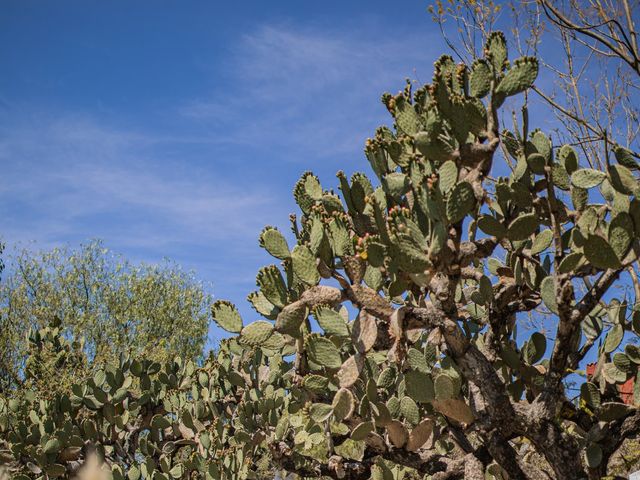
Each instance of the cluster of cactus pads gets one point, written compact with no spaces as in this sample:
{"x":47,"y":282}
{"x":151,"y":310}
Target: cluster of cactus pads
{"x":391,"y":344}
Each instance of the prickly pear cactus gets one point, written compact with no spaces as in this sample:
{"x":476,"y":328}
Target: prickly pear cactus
{"x":147,"y":420}
{"x":390,"y":344}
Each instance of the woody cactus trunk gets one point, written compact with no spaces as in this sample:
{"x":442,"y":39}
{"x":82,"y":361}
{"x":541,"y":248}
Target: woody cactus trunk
{"x":392,"y":342}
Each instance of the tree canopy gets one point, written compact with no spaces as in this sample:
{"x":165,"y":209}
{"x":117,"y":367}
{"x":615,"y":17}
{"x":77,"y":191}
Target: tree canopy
{"x":393,"y":340}
{"x":110,"y":305}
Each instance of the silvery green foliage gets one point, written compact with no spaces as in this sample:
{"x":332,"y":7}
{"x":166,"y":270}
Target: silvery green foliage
{"x":157,"y":311}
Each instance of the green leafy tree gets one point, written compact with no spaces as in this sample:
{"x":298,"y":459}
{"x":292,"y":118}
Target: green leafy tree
{"x":49,"y":354}
{"x":99,"y":298}
{"x":392,"y":343}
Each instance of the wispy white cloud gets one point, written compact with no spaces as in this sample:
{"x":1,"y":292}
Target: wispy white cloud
{"x":67,"y":175}
{"x":292,"y":95}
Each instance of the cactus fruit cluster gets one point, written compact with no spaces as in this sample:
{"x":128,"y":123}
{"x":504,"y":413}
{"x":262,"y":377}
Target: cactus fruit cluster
{"x":391,"y":342}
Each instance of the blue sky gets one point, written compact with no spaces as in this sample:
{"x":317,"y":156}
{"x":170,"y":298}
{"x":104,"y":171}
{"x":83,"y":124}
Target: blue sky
{"x":177,"y":129}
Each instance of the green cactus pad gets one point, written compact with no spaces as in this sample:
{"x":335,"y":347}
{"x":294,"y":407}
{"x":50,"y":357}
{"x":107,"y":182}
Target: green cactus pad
{"x":320,"y":412}
{"x":536,"y":163}
{"x":393,"y":407}
{"x":387,"y":378}
{"x":622,"y":362}
{"x":409,"y":410}
{"x":548,"y":293}
{"x":160,"y":422}
{"x":360,"y":189}
{"x":407,"y":256}
{"x":323,"y":352}
{"x":623,"y":180}
{"x":55,"y":470}
{"x":633,"y":352}
{"x":485,"y":289}
{"x":542,"y":241}
{"x":480,"y":78}
{"x":317,"y":237}
{"x":568,"y":158}
{"x":256,"y":333}
{"x":343,"y":404}
{"x":307,"y":191}
{"x":272,"y":286}
{"x":386,"y":411}
{"x":519,"y":77}
{"x":476,"y":115}
{"x":304,"y":265}
{"x":407,"y":120}
{"x":580,"y":198}
{"x":433,"y":148}
{"x":340,"y":240}
{"x":263,"y":306}
{"x":599,"y":253}
{"x":593,"y":455}
{"x":540,"y":144}
{"x":590,"y":394}
{"x":535,"y":348}
{"x":511,"y":143}
{"x":447,"y":176}
{"x":496,"y":50}
{"x":611,"y":374}
{"x":376,"y":253}
{"x":53,"y":445}
{"x":396,"y":184}
{"x":491,"y":226}
{"x":613,"y":338}
{"x":611,"y":411}
{"x":417,"y":360}
{"x":460,"y":202}
{"x":419,"y":386}
{"x":274,"y":242}
{"x":523,"y":227}
{"x":570,"y":262}
{"x":275,"y":342}
{"x":331,"y":321}
{"x":377,"y":159}
{"x":625,"y":158}
{"x":373,"y":278}
{"x":607,"y":190}
{"x":312,"y":187}
{"x":290,"y":319}
{"x":586,"y":178}
{"x":316,"y":383}
{"x":226,"y":316}
{"x":443,"y":386}
{"x":560,"y":177}
{"x":332,"y":203}
{"x":621,"y":234}
{"x":361,"y":431}
{"x":592,"y":327}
